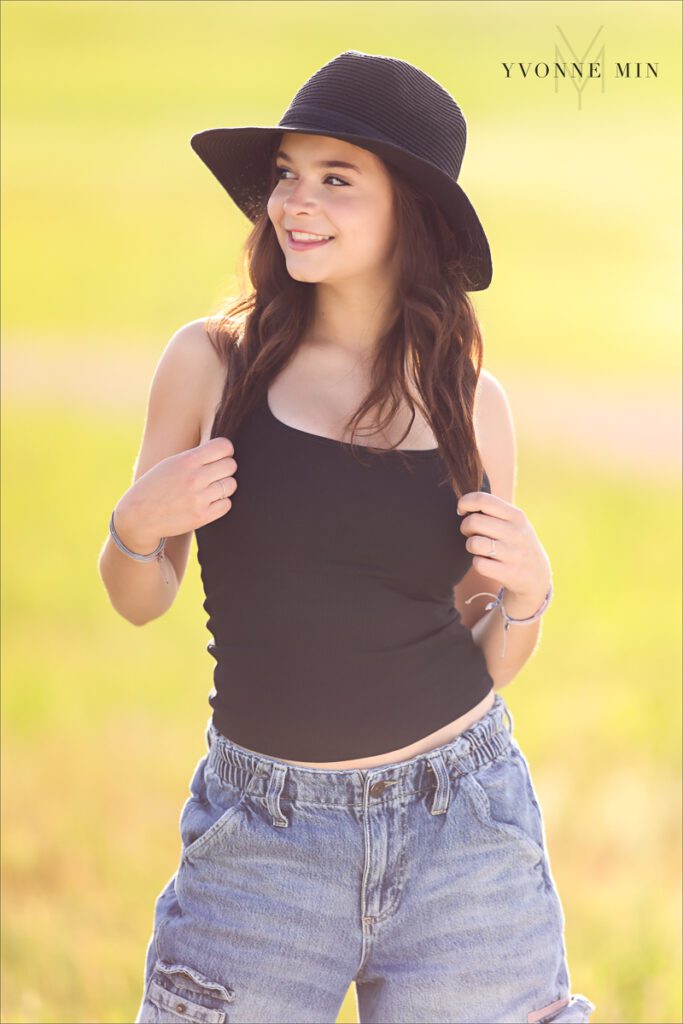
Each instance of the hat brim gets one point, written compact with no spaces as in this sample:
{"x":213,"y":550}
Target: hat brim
{"x":240,"y":159}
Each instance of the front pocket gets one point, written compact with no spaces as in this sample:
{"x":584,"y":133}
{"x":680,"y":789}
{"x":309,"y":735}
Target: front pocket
{"x":504,"y":797}
{"x":208,"y":813}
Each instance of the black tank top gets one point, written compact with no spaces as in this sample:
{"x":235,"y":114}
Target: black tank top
{"x":329,"y":593}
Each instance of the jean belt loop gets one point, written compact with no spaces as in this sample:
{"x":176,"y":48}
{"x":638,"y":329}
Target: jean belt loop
{"x":443,"y":789}
{"x":508,"y":715}
{"x":275,"y":784}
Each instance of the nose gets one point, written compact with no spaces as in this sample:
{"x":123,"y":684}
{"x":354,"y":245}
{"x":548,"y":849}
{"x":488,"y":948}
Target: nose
{"x":300,"y":198}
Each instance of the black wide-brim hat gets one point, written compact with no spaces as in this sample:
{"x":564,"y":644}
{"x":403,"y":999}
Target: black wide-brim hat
{"x":381,"y":104}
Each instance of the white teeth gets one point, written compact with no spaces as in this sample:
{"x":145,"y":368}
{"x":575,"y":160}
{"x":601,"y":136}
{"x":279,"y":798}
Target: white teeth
{"x":304,"y":236}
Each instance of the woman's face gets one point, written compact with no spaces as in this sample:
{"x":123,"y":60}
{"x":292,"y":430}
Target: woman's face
{"x":352,"y":204}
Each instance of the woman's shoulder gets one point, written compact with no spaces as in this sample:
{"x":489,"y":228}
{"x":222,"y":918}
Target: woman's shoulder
{"x":495,"y":432}
{"x":192,"y":341}
{"x":194,"y":365}
{"x":194,"y":349}
{"x":490,"y":399}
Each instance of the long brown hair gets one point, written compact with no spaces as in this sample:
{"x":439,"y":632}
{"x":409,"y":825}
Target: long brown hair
{"x":433,"y":333}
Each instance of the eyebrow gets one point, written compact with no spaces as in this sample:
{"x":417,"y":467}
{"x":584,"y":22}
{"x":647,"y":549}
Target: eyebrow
{"x":324,"y":163}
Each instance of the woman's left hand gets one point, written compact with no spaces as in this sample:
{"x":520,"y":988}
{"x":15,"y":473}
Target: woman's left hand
{"x":518,"y":560}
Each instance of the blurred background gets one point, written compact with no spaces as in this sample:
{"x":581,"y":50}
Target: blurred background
{"x":115,"y":234}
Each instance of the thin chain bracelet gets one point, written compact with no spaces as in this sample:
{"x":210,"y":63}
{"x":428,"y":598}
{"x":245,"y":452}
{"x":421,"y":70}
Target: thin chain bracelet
{"x":157,"y":554}
{"x":509,"y":620}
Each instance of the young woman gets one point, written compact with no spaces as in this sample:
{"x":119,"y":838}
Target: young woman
{"x":363,"y":813}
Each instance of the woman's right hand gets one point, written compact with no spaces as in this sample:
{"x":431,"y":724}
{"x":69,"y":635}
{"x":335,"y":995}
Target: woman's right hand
{"x":179,"y":494}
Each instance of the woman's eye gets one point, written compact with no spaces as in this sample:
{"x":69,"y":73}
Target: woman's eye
{"x":287,"y":171}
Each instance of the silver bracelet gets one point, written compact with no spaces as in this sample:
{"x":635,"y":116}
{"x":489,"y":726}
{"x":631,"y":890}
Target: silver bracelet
{"x":157,"y":554}
{"x":509,"y":620}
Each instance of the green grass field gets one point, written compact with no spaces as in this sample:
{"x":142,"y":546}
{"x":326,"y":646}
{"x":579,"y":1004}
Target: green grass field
{"x":114,"y":235}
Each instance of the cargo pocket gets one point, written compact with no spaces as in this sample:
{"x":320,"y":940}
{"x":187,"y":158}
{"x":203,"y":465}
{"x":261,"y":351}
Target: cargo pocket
{"x":504,"y":798}
{"x":576,"y":1010}
{"x":179,"y":993}
{"x":208,"y":813}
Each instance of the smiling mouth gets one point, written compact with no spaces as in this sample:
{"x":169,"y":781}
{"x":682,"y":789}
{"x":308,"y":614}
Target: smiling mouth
{"x":301,"y":246}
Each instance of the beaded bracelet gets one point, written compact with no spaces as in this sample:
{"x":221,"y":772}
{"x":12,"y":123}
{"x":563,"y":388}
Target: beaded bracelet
{"x":509,"y":620}
{"x":157,"y":554}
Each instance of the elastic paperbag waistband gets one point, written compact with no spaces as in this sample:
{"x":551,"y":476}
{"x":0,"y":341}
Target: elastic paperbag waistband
{"x":487,"y":739}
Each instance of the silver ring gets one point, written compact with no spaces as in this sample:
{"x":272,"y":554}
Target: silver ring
{"x":223,"y":488}
{"x":493,"y":547}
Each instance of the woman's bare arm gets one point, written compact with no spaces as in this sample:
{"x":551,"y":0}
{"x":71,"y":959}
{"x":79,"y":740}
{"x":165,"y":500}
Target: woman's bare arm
{"x":176,"y":403}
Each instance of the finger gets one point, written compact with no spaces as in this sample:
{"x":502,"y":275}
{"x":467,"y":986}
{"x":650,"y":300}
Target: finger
{"x":223,"y":488}
{"x":213,"y":471}
{"x":487,"y":526}
{"x":485,"y":547}
{"x":216,"y":448}
{"x":491,"y":504}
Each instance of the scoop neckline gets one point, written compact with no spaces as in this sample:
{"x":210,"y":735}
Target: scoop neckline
{"x":333,"y":441}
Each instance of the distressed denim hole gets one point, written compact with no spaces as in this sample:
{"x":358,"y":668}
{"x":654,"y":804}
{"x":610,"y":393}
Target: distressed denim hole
{"x":574,"y":1010}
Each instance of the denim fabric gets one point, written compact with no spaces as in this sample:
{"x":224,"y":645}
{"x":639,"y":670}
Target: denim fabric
{"x":425,"y":881}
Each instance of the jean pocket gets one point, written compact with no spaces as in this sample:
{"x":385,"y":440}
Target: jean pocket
{"x":207,"y":815}
{"x":505,"y":799}
{"x":180,"y":993}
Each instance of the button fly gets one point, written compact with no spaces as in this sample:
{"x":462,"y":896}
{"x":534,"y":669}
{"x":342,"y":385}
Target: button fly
{"x":377,"y":788}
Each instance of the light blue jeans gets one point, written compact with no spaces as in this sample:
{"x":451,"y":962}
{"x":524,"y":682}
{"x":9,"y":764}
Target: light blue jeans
{"x":427,"y":882}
